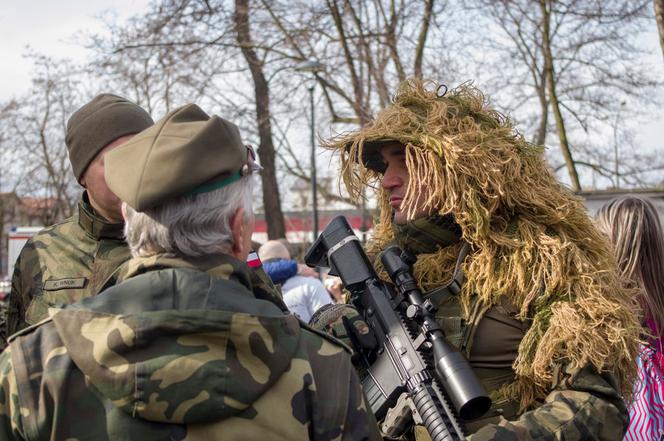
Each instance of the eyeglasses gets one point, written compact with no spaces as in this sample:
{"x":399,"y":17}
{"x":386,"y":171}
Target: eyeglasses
{"x":251,"y":166}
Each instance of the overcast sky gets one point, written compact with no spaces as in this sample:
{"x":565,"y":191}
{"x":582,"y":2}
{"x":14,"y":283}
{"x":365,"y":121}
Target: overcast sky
{"x":48,"y":26}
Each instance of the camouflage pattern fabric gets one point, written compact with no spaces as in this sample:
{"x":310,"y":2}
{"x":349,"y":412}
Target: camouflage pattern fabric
{"x":62,"y":264}
{"x":587,"y":406}
{"x":179,"y":350}
{"x":582,"y":405}
{"x":578,"y":403}
{"x":340,"y":320}
{"x":261,"y":284}
{"x":264,"y":289}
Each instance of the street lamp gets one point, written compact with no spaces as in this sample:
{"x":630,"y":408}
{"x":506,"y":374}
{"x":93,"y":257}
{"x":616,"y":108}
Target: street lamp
{"x":615,"y":147}
{"x":312,"y":66}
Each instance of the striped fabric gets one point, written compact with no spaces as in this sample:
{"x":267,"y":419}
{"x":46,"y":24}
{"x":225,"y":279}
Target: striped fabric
{"x":647,"y":411}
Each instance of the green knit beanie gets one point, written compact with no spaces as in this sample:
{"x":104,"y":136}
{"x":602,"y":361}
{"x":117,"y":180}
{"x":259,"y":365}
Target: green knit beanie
{"x":98,"y":123}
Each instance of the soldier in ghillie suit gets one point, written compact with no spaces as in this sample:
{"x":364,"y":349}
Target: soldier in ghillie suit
{"x":75,"y":258}
{"x":186,"y":346}
{"x":542,"y":315}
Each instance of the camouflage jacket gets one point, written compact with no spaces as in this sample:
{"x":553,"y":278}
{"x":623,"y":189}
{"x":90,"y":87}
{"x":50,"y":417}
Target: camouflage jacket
{"x":63,"y":264}
{"x":179,"y":351}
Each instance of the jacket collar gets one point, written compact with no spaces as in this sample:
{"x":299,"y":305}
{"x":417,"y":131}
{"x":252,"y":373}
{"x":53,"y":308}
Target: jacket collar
{"x":219,"y":266}
{"x":428,"y":234}
{"x":96,"y":226}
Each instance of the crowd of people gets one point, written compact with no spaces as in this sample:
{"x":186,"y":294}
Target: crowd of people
{"x":143,"y":316}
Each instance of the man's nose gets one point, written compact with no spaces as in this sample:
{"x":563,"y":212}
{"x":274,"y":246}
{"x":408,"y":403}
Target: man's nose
{"x":390,"y":179}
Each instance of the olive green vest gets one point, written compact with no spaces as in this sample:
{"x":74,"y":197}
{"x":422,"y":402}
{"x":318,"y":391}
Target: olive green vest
{"x":489,"y":339}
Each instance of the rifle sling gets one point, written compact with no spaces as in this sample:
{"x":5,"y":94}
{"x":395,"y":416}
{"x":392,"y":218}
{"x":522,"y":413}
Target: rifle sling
{"x":452,"y":288}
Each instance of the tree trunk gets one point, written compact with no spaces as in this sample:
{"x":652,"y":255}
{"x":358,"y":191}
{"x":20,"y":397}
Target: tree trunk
{"x":422,"y":38}
{"x":553,"y":98}
{"x":358,"y":85}
{"x":659,"y":17}
{"x":540,"y":138}
{"x":271,"y":199}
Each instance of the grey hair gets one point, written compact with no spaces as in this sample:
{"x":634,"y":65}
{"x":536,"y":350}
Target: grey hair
{"x":189,"y":226}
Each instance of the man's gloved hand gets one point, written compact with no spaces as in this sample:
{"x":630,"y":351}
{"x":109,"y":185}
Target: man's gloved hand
{"x":343,"y":322}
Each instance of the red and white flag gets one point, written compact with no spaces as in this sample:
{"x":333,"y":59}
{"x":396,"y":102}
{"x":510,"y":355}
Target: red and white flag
{"x":253,"y":260}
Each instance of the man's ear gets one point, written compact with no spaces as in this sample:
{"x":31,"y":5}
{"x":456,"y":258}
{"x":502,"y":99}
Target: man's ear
{"x":237,"y":230}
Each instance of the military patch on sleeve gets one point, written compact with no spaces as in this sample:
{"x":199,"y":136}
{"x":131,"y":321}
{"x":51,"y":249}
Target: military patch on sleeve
{"x":71,"y":283}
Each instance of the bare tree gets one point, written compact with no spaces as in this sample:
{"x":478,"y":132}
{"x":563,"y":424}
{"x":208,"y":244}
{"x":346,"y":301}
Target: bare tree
{"x":366,"y":47}
{"x":146,"y":67}
{"x":545,"y":6}
{"x":566,"y":86}
{"x":369,"y":43}
{"x":271,"y":199}
{"x":659,"y":17}
{"x":364,"y":50}
{"x":203,"y":52}
{"x":575,"y":61}
{"x":33,"y":138}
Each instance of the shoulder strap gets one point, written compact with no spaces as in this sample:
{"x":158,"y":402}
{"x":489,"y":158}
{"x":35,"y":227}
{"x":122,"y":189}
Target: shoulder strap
{"x":453,"y":287}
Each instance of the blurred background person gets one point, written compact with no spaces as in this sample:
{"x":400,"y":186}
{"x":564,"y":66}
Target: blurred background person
{"x":302,"y":294}
{"x":633,"y":226}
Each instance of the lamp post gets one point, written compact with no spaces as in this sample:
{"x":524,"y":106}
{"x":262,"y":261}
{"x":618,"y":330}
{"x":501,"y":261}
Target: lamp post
{"x":615,"y":147}
{"x":312,"y":67}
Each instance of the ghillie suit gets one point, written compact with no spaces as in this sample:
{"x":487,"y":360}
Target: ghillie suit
{"x":531,"y":242}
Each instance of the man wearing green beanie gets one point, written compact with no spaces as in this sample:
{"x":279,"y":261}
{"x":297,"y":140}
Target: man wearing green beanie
{"x":76,"y":258}
{"x":187,"y":345}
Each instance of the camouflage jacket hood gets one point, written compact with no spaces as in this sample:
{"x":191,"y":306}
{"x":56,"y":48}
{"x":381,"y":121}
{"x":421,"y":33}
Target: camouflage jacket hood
{"x":195,"y":346}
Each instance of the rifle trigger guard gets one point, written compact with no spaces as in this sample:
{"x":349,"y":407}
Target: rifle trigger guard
{"x":341,"y":243}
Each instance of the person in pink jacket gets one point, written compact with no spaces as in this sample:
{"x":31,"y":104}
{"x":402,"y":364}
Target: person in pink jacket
{"x":635,"y":230}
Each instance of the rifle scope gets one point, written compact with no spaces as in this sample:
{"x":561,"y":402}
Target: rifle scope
{"x":339,"y":249}
{"x":461,"y":384}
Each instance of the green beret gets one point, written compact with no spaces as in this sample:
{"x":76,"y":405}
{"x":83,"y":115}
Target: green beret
{"x":185,"y":152}
{"x":98,"y":123}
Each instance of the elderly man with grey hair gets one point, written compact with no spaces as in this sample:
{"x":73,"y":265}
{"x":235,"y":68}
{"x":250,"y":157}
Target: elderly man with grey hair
{"x":189,"y":344}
